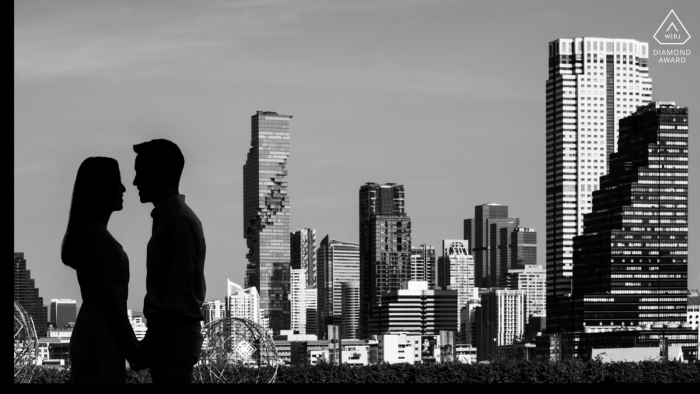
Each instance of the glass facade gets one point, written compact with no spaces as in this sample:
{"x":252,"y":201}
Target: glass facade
{"x":385,"y":246}
{"x":523,"y":248}
{"x":631,"y":264}
{"x":303,"y":253}
{"x":27,"y":295}
{"x":477,"y":232}
{"x":423,"y":264}
{"x":62,"y":313}
{"x":266,"y":216}
{"x":338,"y":262}
{"x":593,"y":83}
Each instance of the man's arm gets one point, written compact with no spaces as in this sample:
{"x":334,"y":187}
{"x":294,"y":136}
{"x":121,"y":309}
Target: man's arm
{"x":178,"y":286}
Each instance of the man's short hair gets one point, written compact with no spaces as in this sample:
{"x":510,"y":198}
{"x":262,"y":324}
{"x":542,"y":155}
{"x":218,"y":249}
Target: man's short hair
{"x":164,"y":154}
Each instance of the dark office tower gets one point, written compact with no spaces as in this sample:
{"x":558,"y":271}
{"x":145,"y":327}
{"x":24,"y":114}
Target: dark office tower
{"x":500,"y":244}
{"x":469,"y":234}
{"x":266,"y":216}
{"x":477,"y":232}
{"x":592,"y":83}
{"x":27,"y":295}
{"x":303,"y":253}
{"x":385,"y":246}
{"x":62,"y":312}
{"x":631,"y":263}
{"x":423,"y":264}
{"x":523,"y":247}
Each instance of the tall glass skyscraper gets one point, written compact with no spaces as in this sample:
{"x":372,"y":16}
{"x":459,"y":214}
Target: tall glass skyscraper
{"x":593,"y":82}
{"x":385,"y":246}
{"x":338,"y":262}
{"x":631,"y":264}
{"x":266,"y":216}
{"x":483,"y":233}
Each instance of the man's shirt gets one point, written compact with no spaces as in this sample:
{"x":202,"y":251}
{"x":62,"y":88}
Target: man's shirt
{"x":175,"y":261}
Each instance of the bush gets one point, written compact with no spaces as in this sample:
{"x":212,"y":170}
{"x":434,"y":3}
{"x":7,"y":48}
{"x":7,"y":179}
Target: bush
{"x":503,"y":371}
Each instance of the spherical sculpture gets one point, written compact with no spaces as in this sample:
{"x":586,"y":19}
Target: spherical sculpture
{"x":236,"y":351}
{"x":26,"y":345}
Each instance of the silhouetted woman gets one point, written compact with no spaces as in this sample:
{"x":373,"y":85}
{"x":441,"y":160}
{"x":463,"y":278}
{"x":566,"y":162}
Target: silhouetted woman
{"x":102,"y":338}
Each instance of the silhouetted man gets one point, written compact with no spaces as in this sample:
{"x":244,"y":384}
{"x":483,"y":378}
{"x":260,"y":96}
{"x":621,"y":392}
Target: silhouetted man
{"x":175,"y":286}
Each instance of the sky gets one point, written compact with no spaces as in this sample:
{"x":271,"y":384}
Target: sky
{"x":444,"y":97}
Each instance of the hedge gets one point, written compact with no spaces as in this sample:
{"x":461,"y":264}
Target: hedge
{"x":506,"y":371}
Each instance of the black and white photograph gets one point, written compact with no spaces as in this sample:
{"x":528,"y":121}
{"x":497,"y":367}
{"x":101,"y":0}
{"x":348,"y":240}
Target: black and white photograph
{"x":356,"y":191}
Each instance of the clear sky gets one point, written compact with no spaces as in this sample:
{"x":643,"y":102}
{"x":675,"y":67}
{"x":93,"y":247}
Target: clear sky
{"x":444,"y":97}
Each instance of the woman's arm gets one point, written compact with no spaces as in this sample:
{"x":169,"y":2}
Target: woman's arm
{"x":98,"y":265}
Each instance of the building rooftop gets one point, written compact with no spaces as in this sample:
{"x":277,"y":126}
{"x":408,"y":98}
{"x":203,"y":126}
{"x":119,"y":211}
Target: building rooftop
{"x":636,"y":354}
{"x":693,"y":300}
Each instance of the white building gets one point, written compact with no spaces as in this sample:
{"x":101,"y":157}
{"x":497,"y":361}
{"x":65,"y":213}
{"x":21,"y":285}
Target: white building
{"x":297,"y":298}
{"x":593,"y":82}
{"x":403,"y":347}
{"x":532,"y":280}
{"x":465,"y":353}
{"x":311,"y":306}
{"x":456,"y":272}
{"x":399,"y":348}
{"x":137,"y":324}
{"x":423,"y":264}
{"x":245,"y":304}
{"x":499,"y":320}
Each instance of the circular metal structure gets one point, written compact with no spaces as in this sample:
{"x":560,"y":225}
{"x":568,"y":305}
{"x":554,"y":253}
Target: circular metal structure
{"x":236,"y":351}
{"x":26,"y":345}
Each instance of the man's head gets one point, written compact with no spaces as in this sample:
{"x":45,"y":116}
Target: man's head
{"x":158,"y":166}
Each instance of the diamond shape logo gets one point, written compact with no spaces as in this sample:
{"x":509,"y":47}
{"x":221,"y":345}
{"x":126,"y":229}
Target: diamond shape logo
{"x":672,"y":31}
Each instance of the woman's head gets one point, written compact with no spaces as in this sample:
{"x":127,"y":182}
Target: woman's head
{"x":98,"y":191}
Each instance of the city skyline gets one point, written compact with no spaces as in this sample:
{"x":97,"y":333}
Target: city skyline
{"x":125,"y":102}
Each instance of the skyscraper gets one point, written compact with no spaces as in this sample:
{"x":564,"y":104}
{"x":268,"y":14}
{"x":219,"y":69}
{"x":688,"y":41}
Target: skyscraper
{"x":26,"y":294}
{"x":423,"y":264}
{"x":631,"y":263}
{"x":530,"y":279}
{"x":62,"y":312}
{"x":500,"y":260}
{"x":456,"y":270}
{"x":297,"y":295}
{"x":303,"y":253}
{"x":310,"y":300}
{"x":499,"y":320}
{"x":245,"y":304}
{"x":593,"y":82}
{"x":266,"y":215}
{"x":350,"y":292}
{"x":483,"y":233}
{"x":385,"y":246}
{"x":523,"y":249}
{"x":338,"y":262}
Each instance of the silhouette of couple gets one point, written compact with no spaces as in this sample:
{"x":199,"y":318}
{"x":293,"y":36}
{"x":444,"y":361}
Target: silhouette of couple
{"x":103,"y":338}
